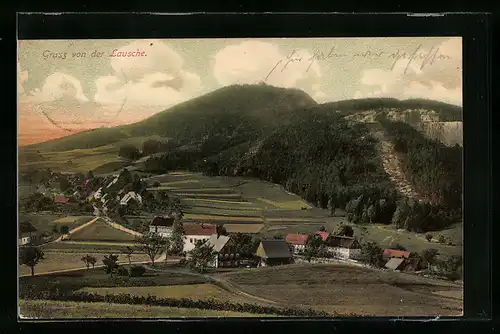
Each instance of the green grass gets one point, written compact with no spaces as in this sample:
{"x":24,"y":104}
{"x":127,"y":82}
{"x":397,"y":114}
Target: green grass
{"x":63,"y":261}
{"x":45,"y":223}
{"x":78,"y":247}
{"x":97,"y":278}
{"x":192,"y":291}
{"x":288,"y":205}
{"x":100,"y":231}
{"x":42,"y":309}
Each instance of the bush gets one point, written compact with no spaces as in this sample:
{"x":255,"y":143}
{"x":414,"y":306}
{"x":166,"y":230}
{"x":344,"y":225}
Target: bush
{"x":137,"y":271}
{"x":170,"y":302}
{"x":442,"y":239}
{"x":428,"y":237}
{"x":122,"y":271}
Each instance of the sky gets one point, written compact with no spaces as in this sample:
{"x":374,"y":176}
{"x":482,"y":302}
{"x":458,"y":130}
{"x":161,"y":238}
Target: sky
{"x":67,"y":86}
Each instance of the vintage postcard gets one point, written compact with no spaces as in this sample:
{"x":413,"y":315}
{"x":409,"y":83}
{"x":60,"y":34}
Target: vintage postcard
{"x":286,"y":177}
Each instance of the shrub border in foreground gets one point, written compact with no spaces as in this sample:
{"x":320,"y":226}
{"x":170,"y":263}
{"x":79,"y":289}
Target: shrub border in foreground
{"x":209,"y":304}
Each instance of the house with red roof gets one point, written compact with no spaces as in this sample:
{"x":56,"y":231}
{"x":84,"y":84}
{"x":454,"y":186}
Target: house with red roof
{"x":394,"y":253}
{"x":343,"y":247}
{"x":61,"y":199}
{"x":298,"y":241}
{"x":197,"y":231}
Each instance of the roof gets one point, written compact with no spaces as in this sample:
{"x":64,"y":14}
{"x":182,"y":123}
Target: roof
{"x":394,"y":263}
{"x":162,"y":221}
{"x":61,"y":199}
{"x":323,"y":235}
{"x":273,"y":249}
{"x":131,"y":195}
{"x":396,"y":253}
{"x":199,"y":229}
{"x":296,"y":239}
{"x":26,"y":227}
{"x":218,"y":242}
{"x":343,"y":242}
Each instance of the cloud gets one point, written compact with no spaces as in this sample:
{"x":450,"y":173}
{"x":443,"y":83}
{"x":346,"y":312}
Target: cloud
{"x":59,"y":86}
{"x":158,"y":78}
{"x":438,"y":80}
{"x":251,"y":62}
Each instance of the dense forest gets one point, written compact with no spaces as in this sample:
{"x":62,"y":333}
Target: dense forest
{"x":314,"y":150}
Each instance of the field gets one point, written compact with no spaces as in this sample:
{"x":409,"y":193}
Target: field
{"x":346,"y":289}
{"x":100,"y":231}
{"x":56,"y":260}
{"x":45,"y":223}
{"x":192,"y":291}
{"x":43,"y":309}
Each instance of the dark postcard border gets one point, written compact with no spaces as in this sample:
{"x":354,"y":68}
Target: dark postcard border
{"x":477,"y":150}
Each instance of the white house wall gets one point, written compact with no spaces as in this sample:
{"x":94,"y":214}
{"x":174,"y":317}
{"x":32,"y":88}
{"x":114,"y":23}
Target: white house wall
{"x":190,"y":241}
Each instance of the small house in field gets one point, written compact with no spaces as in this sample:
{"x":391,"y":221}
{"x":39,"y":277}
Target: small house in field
{"x":226,"y":251}
{"x":130,"y":197}
{"x":395,"y":263}
{"x":274,"y":252}
{"x":390,"y":253}
{"x":61,"y":199}
{"x":297,"y":241}
{"x":194,"y":232}
{"x":162,"y":225}
{"x":28,"y":234}
{"x":343,"y":247}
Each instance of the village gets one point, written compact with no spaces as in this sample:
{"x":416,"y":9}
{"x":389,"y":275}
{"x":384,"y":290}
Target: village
{"x":112,"y":198}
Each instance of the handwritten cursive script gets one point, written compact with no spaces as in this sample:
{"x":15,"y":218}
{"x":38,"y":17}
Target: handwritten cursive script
{"x":426,"y":58}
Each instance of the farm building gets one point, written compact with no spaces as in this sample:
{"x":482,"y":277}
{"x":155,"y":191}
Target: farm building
{"x":390,"y":253}
{"x":28,"y":234}
{"x":162,"y":226}
{"x":343,"y":247}
{"x":226,"y":251}
{"x":98,"y":193}
{"x":274,"y":252}
{"x":395,"y":263}
{"x":61,"y":199}
{"x":194,"y":232}
{"x":298,"y":241}
{"x":131,"y":196}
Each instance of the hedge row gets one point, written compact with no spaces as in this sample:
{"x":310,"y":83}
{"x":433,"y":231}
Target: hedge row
{"x":170,"y":302}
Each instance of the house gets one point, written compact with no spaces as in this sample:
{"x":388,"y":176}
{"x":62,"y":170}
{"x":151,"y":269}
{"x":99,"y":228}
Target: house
{"x":395,"y":263}
{"x":390,"y":253}
{"x":131,"y":195}
{"x":343,"y":247}
{"x":226,"y":251}
{"x":61,"y":199}
{"x":112,"y":182}
{"x":162,"y":226}
{"x":98,"y":193}
{"x":273,"y":252}
{"x":28,"y":234}
{"x":194,"y":232}
{"x":298,"y":241}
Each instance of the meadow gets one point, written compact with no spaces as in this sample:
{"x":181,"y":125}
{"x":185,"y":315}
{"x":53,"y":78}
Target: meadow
{"x":345,"y":289}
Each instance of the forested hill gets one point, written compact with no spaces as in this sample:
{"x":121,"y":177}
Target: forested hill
{"x":235,"y":111}
{"x":327,"y":153}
